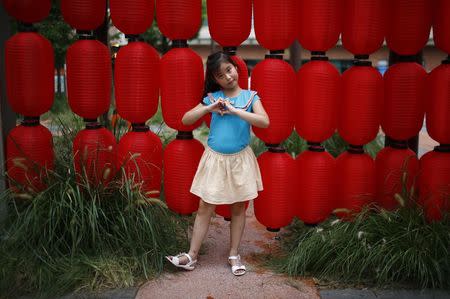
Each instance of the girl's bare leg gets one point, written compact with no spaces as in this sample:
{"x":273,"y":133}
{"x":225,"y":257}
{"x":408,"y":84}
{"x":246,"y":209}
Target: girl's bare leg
{"x":237,"y":226}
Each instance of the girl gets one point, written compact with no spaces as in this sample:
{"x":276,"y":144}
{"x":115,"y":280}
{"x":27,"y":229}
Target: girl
{"x":228,"y":172}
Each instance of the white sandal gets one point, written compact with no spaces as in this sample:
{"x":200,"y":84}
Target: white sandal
{"x":175,"y":260}
{"x":237,"y":269}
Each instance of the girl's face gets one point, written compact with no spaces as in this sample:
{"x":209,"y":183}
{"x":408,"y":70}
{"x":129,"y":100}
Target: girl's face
{"x":227,"y":76}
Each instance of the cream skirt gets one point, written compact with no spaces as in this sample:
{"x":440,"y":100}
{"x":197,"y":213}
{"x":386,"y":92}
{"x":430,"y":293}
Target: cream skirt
{"x":227,"y":178}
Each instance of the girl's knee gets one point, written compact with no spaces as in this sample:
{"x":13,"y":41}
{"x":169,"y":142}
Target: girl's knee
{"x":238,"y":208}
{"x":205,"y":208}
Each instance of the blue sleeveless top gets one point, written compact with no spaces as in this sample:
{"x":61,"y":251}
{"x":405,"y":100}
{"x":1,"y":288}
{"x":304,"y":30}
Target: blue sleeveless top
{"x":230,"y":134}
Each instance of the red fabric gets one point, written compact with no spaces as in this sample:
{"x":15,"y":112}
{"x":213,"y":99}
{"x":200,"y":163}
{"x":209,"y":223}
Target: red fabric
{"x":140,"y":153}
{"x":319,"y":23}
{"x":229,"y":21}
{"x":225,"y":210}
{"x":27,"y":11}
{"x":356,"y":183}
{"x":274,"y":207}
{"x":88,"y":78}
{"x":404,"y":103}
{"x":441,"y":24}
{"x":132,"y":16}
{"x":315,"y":187}
{"x":274,"y":80}
{"x":84,"y":14}
{"x":181,"y":158}
{"x":242,"y":71}
{"x":360,"y":109}
{"x":364,"y":25}
{"x":94,"y":155}
{"x":437,"y":104}
{"x":434,"y":184}
{"x":29,"y":157}
{"x":394,"y":168}
{"x":29,"y":68}
{"x":136,"y":76}
{"x":179,"y":19}
{"x":182,"y":80}
{"x":318,"y":87}
{"x":275,"y":23}
{"x":408,"y":25}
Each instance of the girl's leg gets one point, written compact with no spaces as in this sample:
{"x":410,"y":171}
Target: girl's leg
{"x":237,"y":226}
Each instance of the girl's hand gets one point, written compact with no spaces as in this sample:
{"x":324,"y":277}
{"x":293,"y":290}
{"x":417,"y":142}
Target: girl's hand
{"x":228,"y":108}
{"x":214,"y":107}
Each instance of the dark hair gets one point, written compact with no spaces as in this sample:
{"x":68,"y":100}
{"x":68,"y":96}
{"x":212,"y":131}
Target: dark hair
{"x":212,"y":67}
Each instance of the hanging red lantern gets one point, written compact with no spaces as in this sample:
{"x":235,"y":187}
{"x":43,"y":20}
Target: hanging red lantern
{"x":408,"y":25}
{"x":316,"y":186}
{"x":179,"y":19}
{"x":274,"y":207}
{"x":225,"y":210}
{"x":88,"y":78}
{"x":441,"y":24}
{"x":181,"y":158}
{"x":396,"y":168}
{"x":242,"y":71}
{"x":404,"y":91}
{"x":28,"y":11}
{"x":94,"y":155}
{"x":318,"y":88}
{"x":355,"y":182}
{"x":437,"y":107}
{"x":181,"y":86}
{"x":29,"y":157}
{"x":140,"y":154}
{"x":136,"y":76}
{"x":29,"y":69}
{"x":84,"y":14}
{"x":364,"y":25}
{"x":132,"y":16}
{"x":319,"y":23}
{"x":274,"y":79}
{"x":359,"y":112}
{"x":229,"y":21}
{"x":434,"y":184}
{"x":275,"y":23}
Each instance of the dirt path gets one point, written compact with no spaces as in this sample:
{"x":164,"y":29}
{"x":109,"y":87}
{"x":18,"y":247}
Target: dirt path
{"x":212,"y":277}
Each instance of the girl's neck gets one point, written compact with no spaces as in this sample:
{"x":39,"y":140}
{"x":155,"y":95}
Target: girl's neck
{"x":231,"y":93}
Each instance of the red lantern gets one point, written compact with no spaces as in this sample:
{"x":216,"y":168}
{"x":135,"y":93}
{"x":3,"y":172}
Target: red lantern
{"x":318,"y":87}
{"x":441,"y":24}
{"x":136,"y":75}
{"x":437,"y":105}
{"x":229,"y":21}
{"x":28,"y":11}
{"x":274,"y":207}
{"x":29,"y":154}
{"x":140,"y":153}
{"x":395,"y":169}
{"x":316,"y":186}
{"x":89,"y":78}
{"x":242,"y":71}
{"x":404,"y":86}
{"x":364,"y":25}
{"x":181,"y":158}
{"x":94,"y":155}
{"x":29,"y":66}
{"x":84,"y":14}
{"x":319,"y":23}
{"x":274,"y":80}
{"x":275,"y":23}
{"x":434,"y":184}
{"x":179,"y":19}
{"x":408,"y":26}
{"x":132,"y":16}
{"x":181,"y":86}
{"x":225,"y":210}
{"x":355,"y":182}
{"x":360,"y":109}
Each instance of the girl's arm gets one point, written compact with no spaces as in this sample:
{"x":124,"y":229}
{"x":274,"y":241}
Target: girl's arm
{"x":257,"y":118}
{"x":198,"y":112}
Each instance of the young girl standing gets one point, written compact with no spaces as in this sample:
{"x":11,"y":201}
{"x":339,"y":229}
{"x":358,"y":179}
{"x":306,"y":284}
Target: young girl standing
{"x":228,"y":172}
